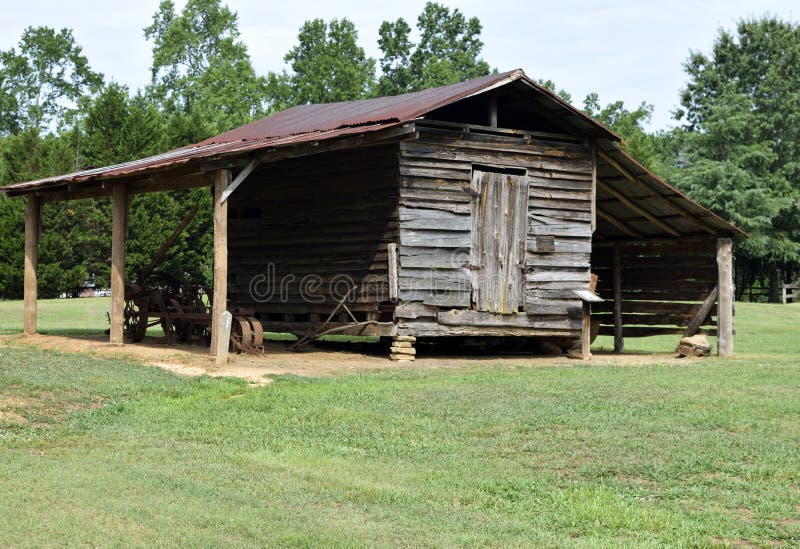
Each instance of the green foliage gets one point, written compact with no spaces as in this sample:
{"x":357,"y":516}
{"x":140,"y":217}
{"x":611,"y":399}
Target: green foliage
{"x":75,"y":246}
{"x":202,"y":75}
{"x":551,"y":85}
{"x":729,"y":168}
{"x":448,"y":51}
{"x":628,"y":124}
{"x":327,"y":66}
{"x":741,"y":154}
{"x":153,"y":217}
{"x":12,"y":244}
{"x":41,"y":80}
{"x":118,"y":128}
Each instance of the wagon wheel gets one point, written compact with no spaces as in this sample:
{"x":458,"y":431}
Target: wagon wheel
{"x":241,"y":334}
{"x":135,"y":320}
{"x":258,"y":332}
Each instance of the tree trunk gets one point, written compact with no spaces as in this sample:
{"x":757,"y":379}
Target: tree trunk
{"x":775,"y":284}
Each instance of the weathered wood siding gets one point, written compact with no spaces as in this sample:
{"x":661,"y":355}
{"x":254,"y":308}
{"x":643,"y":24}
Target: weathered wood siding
{"x":306,"y":228}
{"x":663,"y":285}
{"x":436,"y":232}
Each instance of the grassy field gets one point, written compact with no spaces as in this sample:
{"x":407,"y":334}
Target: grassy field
{"x":99,"y":452}
{"x":59,"y":316}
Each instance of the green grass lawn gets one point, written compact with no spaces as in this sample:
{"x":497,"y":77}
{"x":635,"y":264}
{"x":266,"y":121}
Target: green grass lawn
{"x":77,"y":316}
{"x":96,"y":452}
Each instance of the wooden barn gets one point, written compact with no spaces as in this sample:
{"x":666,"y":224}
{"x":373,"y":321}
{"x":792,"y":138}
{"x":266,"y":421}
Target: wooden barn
{"x":488,"y":208}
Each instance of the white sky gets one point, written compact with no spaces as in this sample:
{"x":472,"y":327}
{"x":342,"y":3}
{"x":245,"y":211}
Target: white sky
{"x":629,"y":50}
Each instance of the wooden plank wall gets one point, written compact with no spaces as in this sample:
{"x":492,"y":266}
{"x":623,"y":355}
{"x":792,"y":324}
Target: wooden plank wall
{"x":330,"y":215}
{"x":663,"y":285}
{"x":435,"y":234}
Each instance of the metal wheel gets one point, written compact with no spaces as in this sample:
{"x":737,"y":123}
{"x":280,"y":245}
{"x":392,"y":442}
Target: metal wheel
{"x":241,"y":334}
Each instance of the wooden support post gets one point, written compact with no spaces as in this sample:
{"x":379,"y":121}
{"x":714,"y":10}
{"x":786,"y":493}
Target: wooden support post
{"x":32,"y":220}
{"x":594,"y":186}
{"x":220,"y":352}
{"x":394,"y":290}
{"x":586,"y":332}
{"x":725,"y":298}
{"x":119,"y":226}
{"x":702,"y":314}
{"x":222,"y":179}
{"x":619,"y":342}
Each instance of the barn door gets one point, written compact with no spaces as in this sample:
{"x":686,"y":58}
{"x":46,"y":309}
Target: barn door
{"x":499,"y":221}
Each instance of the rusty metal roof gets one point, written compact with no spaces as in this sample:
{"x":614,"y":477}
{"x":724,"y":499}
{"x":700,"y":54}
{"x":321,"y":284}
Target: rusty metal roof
{"x":312,"y":123}
{"x":381,"y":110}
{"x":181,"y":156}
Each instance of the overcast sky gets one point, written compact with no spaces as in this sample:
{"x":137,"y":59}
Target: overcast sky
{"x":629,"y":50}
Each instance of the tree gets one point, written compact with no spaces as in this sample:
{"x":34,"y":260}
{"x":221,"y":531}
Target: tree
{"x":628,"y":124}
{"x":327,"y":66}
{"x":201,"y":73}
{"x":42,"y":84}
{"x":741,"y":110}
{"x":551,"y":85}
{"x":39,"y":82}
{"x":448,"y":51}
{"x":116,"y":127}
{"x":12,"y":244}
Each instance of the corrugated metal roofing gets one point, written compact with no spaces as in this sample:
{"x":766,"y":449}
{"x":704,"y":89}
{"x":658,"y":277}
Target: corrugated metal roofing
{"x":307,"y":123}
{"x":312,"y":123}
{"x":398,"y":108}
{"x":182,"y":156}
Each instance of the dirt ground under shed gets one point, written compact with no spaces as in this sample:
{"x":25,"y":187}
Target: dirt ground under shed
{"x":318,"y":360}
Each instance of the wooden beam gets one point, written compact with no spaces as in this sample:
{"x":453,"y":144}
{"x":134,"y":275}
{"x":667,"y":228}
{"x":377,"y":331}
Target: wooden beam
{"x":619,"y":341}
{"x":166,"y":246}
{"x":616,"y":165}
{"x":224,"y":163}
{"x":646,"y":241}
{"x":725,"y":304}
{"x":702,"y":314}
{"x":619,"y":224}
{"x":222,"y":179}
{"x":478,"y":128}
{"x":493,"y":111}
{"x":586,"y":331}
{"x":641,"y":211}
{"x":119,"y":226}
{"x":32,"y":221}
{"x":150,"y":184}
{"x":394,"y":291}
{"x":406,"y":131}
{"x":594,"y":186}
{"x":652,"y":194}
{"x":246,"y":171}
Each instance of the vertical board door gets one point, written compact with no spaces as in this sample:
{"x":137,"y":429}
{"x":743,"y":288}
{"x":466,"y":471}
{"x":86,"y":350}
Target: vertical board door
{"x":499,"y":223}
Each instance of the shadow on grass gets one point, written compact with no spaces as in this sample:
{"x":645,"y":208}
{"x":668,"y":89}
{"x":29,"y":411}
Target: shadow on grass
{"x":77,"y":333}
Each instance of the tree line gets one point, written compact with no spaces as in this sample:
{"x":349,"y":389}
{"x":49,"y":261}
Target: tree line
{"x":734,"y":149}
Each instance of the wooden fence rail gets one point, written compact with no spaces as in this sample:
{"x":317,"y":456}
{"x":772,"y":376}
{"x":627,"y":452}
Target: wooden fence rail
{"x":790,"y":293}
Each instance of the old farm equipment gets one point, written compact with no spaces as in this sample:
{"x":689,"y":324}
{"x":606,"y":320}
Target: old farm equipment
{"x":183,"y":311}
